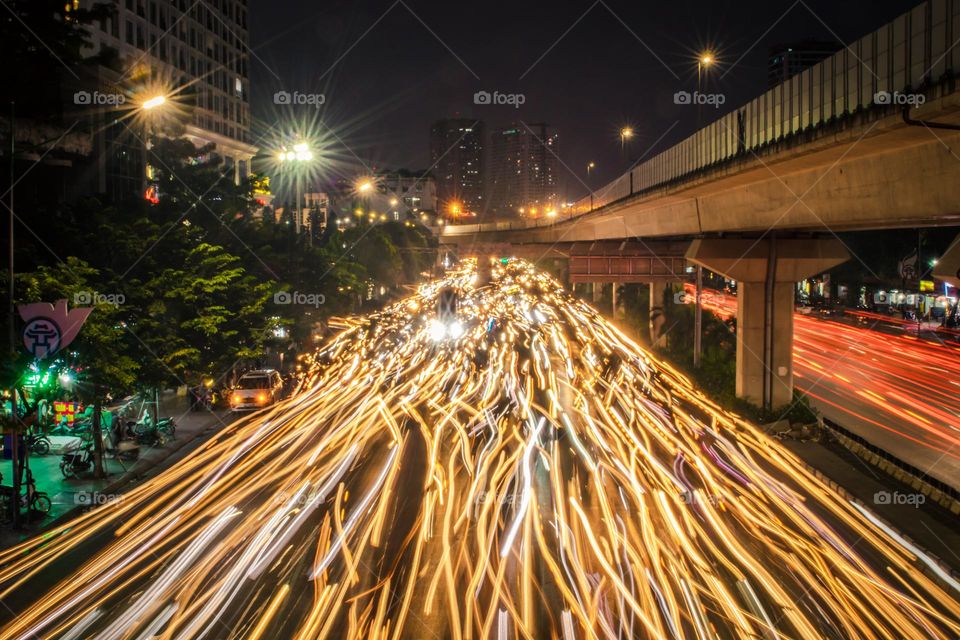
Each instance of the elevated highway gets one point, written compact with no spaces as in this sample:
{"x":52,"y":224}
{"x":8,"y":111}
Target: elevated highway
{"x":869,"y":138}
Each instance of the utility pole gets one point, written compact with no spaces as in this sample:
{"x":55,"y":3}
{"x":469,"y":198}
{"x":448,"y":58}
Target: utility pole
{"x":298,"y":212}
{"x":698,"y":320}
{"x":10,"y":277}
{"x":703,"y":62}
{"x":12,"y":320}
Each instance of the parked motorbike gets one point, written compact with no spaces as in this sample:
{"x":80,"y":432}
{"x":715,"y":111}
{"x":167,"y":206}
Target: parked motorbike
{"x":38,"y":444}
{"x":149,"y":434}
{"x":77,"y":460}
{"x":80,"y":459}
{"x":167,"y":427}
{"x":37,"y":501}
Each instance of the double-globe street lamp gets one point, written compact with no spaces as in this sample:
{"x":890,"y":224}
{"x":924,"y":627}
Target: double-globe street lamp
{"x":297,"y":159}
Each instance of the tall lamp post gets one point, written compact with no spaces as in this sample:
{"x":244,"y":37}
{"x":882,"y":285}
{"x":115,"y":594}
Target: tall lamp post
{"x":703,"y":63}
{"x":147,"y":107}
{"x":626,"y":133}
{"x":364,"y":187}
{"x":297,"y":158}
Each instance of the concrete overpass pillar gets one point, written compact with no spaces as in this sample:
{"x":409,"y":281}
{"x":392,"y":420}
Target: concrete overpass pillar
{"x":613,"y":297}
{"x":766,"y":271}
{"x":657,"y":318}
{"x":597,"y":291}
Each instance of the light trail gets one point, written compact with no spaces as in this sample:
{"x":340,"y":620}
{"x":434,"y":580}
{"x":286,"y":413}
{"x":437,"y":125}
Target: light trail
{"x":541,"y":476}
{"x":901,"y":389}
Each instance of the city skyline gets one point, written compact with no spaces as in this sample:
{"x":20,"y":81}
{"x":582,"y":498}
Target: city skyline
{"x":380,"y":103}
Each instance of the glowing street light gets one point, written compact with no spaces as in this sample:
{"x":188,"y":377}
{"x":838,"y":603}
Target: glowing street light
{"x":364,"y":186}
{"x":704,"y":61}
{"x":297,"y":157}
{"x":154,"y":102}
{"x":302,"y":152}
{"x":626,"y":133}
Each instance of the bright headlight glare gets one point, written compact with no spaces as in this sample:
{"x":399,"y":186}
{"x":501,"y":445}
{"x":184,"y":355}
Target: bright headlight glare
{"x":437,"y":330}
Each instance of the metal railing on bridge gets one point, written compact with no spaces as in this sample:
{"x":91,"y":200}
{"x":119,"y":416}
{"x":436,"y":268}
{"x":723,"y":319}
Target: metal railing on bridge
{"x":915,"y":52}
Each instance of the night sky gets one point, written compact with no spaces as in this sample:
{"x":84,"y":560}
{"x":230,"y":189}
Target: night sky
{"x":389,"y":69}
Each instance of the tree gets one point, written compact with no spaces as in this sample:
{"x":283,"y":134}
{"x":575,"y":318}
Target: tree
{"x":203,"y":317}
{"x":102,"y":348}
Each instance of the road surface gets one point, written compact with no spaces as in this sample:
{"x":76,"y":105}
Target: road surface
{"x":529,"y":472}
{"x":899,"y":392}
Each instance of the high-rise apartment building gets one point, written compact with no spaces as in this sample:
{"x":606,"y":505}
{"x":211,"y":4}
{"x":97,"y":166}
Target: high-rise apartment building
{"x":407,"y":191}
{"x":787,"y":60}
{"x":198,"y":52}
{"x":524,"y":170}
{"x":456,"y":155}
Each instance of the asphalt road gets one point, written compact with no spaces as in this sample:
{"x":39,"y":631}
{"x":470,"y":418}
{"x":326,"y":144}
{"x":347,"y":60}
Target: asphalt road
{"x":523,"y":470}
{"x":898,"y":391}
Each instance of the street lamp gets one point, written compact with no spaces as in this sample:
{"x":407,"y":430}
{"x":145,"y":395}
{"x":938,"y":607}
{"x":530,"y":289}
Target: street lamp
{"x":146,"y":107}
{"x":296,"y":158}
{"x":626,"y":133}
{"x":704,"y":61}
{"x":590,"y":167}
{"x":154,"y":102}
{"x":363,"y":187}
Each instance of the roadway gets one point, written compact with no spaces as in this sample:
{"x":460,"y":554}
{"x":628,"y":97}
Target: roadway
{"x":893,"y":388}
{"x":528,"y":473}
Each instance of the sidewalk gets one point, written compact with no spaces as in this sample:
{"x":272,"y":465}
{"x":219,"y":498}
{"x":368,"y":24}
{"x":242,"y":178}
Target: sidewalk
{"x":923,"y":521}
{"x":68,"y":496}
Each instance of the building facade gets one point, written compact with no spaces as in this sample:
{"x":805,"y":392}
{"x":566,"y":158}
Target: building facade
{"x":405,"y":191}
{"x":787,"y":60}
{"x":456,"y":155}
{"x":524,"y":170}
{"x":197,"y":54}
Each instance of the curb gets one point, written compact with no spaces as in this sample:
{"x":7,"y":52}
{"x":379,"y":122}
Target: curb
{"x":936,"y":490}
{"x":835,"y":430}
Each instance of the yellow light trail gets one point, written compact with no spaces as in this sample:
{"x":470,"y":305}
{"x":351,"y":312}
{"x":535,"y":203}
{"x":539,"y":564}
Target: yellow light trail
{"x":539,"y":476}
